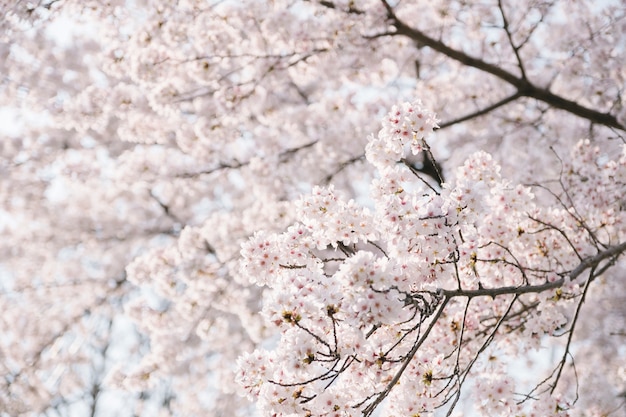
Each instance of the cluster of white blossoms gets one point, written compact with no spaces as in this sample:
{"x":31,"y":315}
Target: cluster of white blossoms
{"x":405,"y":126}
{"x":154,"y":138}
{"x":400,"y":303}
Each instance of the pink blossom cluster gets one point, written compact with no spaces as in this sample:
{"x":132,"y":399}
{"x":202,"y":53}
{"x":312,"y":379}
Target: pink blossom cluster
{"x":388,"y":305}
{"x":154,"y":229}
{"x":404,"y":128}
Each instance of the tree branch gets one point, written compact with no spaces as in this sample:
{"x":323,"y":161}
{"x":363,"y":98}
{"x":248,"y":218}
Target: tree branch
{"x":509,"y":35}
{"x":370,"y":408}
{"x":482,"y":112}
{"x":571,"y":330}
{"x":591,"y":262}
{"x":524,"y":87}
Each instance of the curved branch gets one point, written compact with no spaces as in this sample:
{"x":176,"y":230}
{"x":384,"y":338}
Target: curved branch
{"x":343,"y":166}
{"x":509,"y":36}
{"x":571,"y":331}
{"x":591,"y":262}
{"x":482,"y":112}
{"x":524,"y":87}
{"x":380,"y":397}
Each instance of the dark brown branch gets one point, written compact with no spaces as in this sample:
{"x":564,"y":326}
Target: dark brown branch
{"x":484,"y":346}
{"x":332,"y":5}
{"x":482,"y":112}
{"x":571,"y":330}
{"x":509,"y":35}
{"x":220,"y":167}
{"x":287,"y":153}
{"x":591,"y":262}
{"x":165,"y":207}
{"x":457,"y":367}
{"x":559,"y":102}
{"x":419,"y":36}
{"x":416,"y":172}
{"x":524,"y":87}
{"x":380,"y":397}
{"x":343,"y":166}
{"x":430,"y":166}
{"x":283,"y":157}
{"x":561,"y":232}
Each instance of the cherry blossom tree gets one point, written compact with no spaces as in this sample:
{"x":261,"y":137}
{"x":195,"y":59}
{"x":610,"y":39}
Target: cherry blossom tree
{"x":313,"y":208}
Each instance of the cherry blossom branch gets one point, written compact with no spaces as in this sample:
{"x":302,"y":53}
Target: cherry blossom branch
{"x":591,"y":262}
{"x":523,"y":86}
{"x":37,"y":356}
{"x":559,"y":231}
{"x":351,"y":8}
{"x":99,"y":371}
{"x":571,"y":329}
{"x":287,"y":153}
{"x":484,"y":346}
{"x":574,"y":212}
{"x":431,"y":162}
{"x":330,"y":373}
{"x":221,"y":166}
{"x":483,"y":111}
{"x":166,"y":208}
{"x":416,"y":172}
{"x":522,"y":313}
{"x":380,"y":397}
{"x":457,"y":367}
{"x":299,"y":54}
{"x":282,"y":157}
{"x":505,"y":26}
{"x":343,"y":166}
